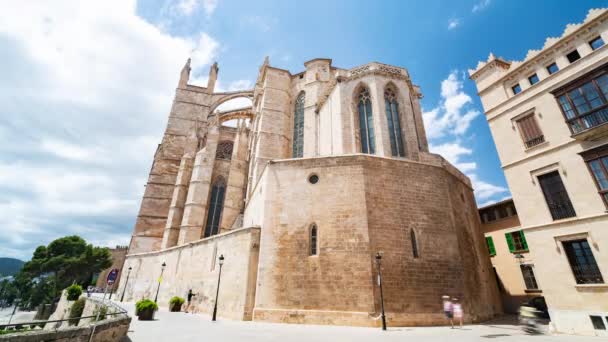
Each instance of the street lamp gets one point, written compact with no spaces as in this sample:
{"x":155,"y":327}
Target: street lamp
{"x":126,"y":281}
{"x":217,"y":292}
{"x":160,"y":279}
{"x":378,"y":259}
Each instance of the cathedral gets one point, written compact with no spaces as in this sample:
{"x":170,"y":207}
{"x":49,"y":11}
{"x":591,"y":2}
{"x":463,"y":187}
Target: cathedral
{"x":298,"y":192}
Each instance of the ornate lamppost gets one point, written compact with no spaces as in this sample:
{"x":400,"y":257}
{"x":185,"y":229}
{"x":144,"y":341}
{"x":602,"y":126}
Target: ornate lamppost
{"x":378,"y":265}
{"x":126,"y":281}
{"x":160,"y":279}
{"x":218,"y":288}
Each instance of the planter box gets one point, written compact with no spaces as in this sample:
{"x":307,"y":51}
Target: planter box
{"x":146,"y":315}
{"x":175,"y":307}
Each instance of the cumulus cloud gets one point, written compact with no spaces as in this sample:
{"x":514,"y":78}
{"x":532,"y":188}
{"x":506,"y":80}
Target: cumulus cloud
{"x":85,"y":93}
{"x":480,"y":5}
{"x":447,"y":124}
{"x":453,"y":23}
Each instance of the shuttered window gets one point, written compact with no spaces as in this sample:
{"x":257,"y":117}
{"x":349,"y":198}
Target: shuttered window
{"x":490,"y":245}
{"x":530,"y":132}
{"x":556,"y":196}
{"x":517,"y":241}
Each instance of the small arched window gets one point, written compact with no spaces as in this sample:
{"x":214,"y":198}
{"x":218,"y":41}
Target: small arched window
{"x":414,"y":243}
{"x":298,"y":127}
{"x":394,"y":123}
{"x":224,"y":150}
{"x":216,"y":204}
{"x":313,"y":239}
{"x":366,"y":122}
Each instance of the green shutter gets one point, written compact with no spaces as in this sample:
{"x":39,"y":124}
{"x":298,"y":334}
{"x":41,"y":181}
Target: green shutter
{"x":510,"y":242}
{"x":490,"y":244}
{"x":523,"y":240}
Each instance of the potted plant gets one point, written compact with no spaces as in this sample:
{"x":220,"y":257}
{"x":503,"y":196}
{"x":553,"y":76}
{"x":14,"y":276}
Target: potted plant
{"x":144,"y":309}
{"x":175,"y":304}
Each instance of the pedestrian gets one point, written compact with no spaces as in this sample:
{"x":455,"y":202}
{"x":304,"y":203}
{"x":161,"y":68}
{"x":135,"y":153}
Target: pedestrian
{"x":189,"y":296}
{"x":447,"y":309}
{"x":457,"y":310}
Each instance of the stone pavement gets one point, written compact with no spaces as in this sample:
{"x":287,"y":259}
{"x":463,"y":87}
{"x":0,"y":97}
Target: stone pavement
{"x":177,"y":327}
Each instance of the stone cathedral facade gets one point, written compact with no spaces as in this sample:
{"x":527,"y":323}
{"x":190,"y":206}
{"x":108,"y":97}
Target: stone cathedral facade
{"x":326,"y":168}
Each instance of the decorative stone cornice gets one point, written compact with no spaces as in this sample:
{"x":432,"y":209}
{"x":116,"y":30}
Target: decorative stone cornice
{"x":376,"y":68}
{"x":550,"y":43}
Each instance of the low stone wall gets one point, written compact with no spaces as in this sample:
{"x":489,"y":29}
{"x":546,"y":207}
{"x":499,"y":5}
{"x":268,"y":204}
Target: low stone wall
{"x":109,"y":330}
{"x":195,"y":266}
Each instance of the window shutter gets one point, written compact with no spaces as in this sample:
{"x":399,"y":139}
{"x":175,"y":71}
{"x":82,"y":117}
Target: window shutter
{"x":491,"y":248}
{"x":510,"y":242}
{"x":523,"y":240}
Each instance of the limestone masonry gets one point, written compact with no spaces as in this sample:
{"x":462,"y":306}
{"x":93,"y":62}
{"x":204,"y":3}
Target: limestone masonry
{"x":298,"y":192}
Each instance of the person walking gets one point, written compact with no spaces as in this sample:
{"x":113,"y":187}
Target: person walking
{"x":457,"y":310}
{"x":447,"y":309}
{"x":189,"y":297}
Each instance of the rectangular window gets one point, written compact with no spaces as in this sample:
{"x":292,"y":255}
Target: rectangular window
{"x":516,"y":89}
{"x":582,"y":262}
{"x":516,"y":241}
{"x":490,"y":245}
{"x":596,"y":43}
{"x":556,"y":196}
{"x":573,"y":56}
{"x":598,"y":322}
{"x":529,"y":131}
{"x":527,"y":272}
{"x":597,"y":162}
{"x":533,"y":79}
{"x":552,"y":68}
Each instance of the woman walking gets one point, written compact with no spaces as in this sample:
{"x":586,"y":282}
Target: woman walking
{"x":447,"y":309}
{"x":457,"y":311}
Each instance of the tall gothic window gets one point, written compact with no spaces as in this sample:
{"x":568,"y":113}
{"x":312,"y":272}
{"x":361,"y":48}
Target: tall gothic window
{"x":366,"y":122}
{"x":394,"y":124}
{"x":298,"y":127}
{"x":224,"y":150}
{"x":313,"y":239}
{"x":216,"y":204}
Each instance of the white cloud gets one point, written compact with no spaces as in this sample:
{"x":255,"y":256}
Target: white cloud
{"x":446,"y":124}
{"x":85,"y":92}
{"x":209,"y":6}
{"x":188,"y":7}
{"x":452,"y":115}
{"x":453,"y":23}
{"x":480,"y":5}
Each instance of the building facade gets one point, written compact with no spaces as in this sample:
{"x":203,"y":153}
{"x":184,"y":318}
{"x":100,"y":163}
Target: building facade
{"x":510,"y":255}
{"x":325,"y":169}
{"x":549,"y":117}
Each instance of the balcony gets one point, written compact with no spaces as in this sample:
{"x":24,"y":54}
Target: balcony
{"x":535,"y":141}
{"x":590,"y":126}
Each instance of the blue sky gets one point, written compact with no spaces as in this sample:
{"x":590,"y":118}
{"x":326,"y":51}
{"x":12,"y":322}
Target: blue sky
{"x":87,"y":87}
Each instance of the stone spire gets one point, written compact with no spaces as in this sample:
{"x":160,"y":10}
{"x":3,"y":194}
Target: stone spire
{"x":185,"y":75}
{"x":212,"y":78}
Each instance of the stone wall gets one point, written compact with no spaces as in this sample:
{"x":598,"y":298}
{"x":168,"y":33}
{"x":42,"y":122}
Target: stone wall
{"x":194,"y":266}
{"x":109,"y":330}
{"x":363,"y":205}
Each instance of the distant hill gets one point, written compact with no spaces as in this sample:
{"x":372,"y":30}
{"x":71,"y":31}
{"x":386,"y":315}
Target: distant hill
{"x":10,"y":266}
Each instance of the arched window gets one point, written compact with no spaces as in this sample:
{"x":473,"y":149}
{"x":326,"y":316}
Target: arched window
{"x":366,"y":122}
{"x":216,"y":204}
{"x":298,"y":127}
{"x":224,"y":150}
{"x":414,"y":243}
{"x":394,"y":124}
{"x":313,"y":239}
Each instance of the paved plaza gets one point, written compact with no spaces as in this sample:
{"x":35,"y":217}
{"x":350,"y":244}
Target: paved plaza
{"x":177,"y":327}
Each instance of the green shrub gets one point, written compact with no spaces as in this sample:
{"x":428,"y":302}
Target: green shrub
{"x":145,"y":304}
{"x":74,"y":292}
{"x":102,"y":310}
{"x":76,"y":311}
{"x":177,"y":300}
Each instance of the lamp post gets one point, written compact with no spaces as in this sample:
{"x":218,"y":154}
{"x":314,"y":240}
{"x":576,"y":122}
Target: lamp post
{"x":126,"y":281}
{"x":378,"y":259}
{"x":217,"y":292}
{"x":160,"y":279}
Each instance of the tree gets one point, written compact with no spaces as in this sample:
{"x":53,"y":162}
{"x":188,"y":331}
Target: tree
{"x":63,"y":262}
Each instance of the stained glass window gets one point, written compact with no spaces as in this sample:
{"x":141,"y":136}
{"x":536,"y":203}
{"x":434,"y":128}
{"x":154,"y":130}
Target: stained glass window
{"x":216,"y":204}
{"x":366,"y":122}
{"x":394,"y":123}
{"x":224,"y":150}
{"x":298,"y":127}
